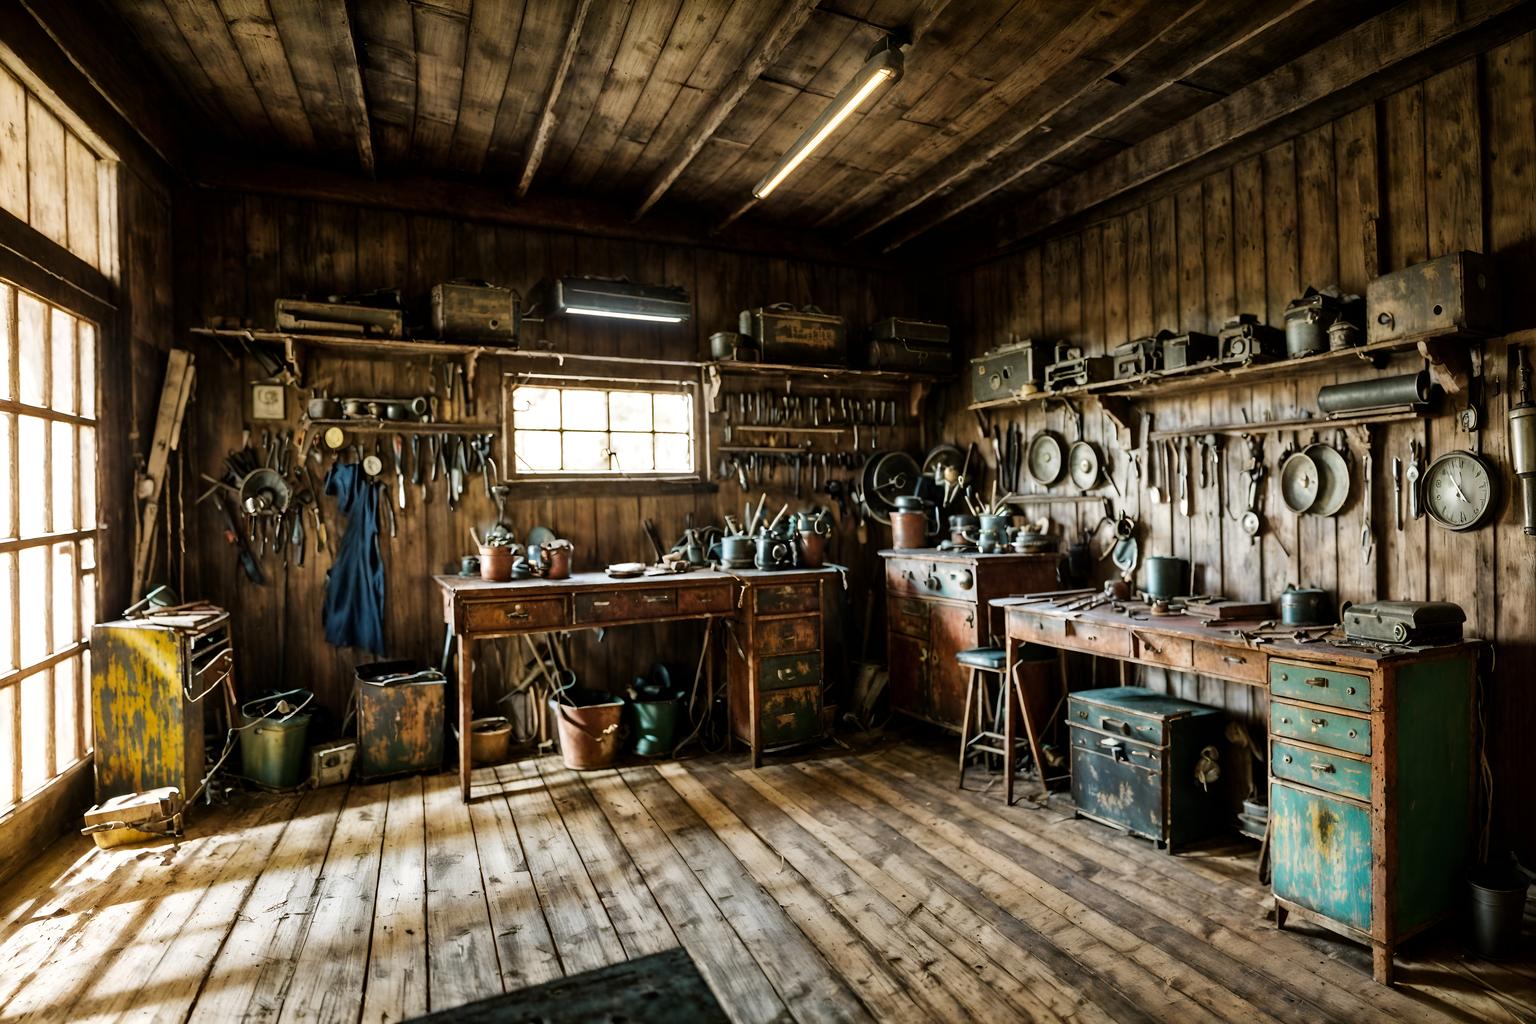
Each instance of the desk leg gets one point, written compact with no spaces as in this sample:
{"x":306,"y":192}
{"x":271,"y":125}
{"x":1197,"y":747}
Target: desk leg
{"x":466,"y":711}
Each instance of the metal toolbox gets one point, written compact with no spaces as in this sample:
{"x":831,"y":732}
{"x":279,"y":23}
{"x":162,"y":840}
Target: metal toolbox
{"x":338,"y":317}
{"x":1449,"y":295}
{"x":1405,"y":622}
{"x":1181,"y":351}
{"x":1245,"y":340}
{"x":895,"y":354}
{"x":1073,"y":369}
{"x":474,"y":311}
{"x":896,"y":328}
{"x":789,"y":335}
{"x":1138,"y":357}
{"x":1136,"y":755}
{"x":1009,"y":370}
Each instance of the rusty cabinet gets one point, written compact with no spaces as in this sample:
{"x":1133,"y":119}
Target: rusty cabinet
{"x":1135,"y":755}
{"x":151,"y":687}
{"x":774,"y":661}
{"x":937,"y":606}
{"x":1370,"y":792}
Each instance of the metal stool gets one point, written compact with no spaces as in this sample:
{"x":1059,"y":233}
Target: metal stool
{"x":991,"y":661}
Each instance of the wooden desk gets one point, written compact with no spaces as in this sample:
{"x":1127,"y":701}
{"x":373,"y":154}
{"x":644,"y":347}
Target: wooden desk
{"x":775,"y":664}
{"x":1371,"y":782}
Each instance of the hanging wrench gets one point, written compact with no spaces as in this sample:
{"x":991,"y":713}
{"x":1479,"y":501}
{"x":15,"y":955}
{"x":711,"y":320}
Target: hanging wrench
{"x":1367,"y":535}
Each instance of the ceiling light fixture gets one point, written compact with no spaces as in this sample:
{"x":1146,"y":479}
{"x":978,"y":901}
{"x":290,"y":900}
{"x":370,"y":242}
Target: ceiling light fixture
{"x":884,"y":65}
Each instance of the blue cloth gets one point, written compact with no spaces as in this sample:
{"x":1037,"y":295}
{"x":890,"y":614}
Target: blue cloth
{"x":354,"y":588}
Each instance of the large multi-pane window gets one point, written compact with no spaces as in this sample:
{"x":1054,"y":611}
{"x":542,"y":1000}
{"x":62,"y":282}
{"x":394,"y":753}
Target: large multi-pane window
{"x":601,"y":428}
{"x":47,"y":539}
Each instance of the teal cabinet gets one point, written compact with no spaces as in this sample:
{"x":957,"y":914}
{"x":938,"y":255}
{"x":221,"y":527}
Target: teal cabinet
{"x":1320,"y":853}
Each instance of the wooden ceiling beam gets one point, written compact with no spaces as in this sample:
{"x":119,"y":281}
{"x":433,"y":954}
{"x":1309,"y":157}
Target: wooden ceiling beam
{"x":349,"y":76}
{"x":791,"y":19}
{"x":545,"y":129}
{"x":1344,"y":72}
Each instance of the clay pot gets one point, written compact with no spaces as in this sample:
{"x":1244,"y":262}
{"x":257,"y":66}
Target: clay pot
{"x":495,"y":564}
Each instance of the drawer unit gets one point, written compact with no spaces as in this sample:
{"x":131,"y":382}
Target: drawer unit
{"x":953,"y":580}
{"x":529,"y":613}
{"x":623,"y":605}
{"x":1168,"y":651}
{"x":790,"y":715}
{"x":783,"y":598}
{"x":1325,"y":728}
{"x":1320,"y":854}
{"x":1320,"y":685}
{"x":1093,"y":639}
{"x":1323,"y":769}
{"x":788,"y":636}
{"x":908,"y":616}
{"x":788,"y":670}
{"x":719,"y":599}
{"x":1225,"y":663}
{"x":1134,"y":756}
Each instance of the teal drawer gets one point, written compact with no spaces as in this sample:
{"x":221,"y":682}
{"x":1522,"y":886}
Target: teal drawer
{"x":790,"y":716}
{"x":787,"y":670}
{"x":1327,"y":728}
{"x":1320,"y":768}
{"x":1320,"y":854}
{"x":1320,"y":685}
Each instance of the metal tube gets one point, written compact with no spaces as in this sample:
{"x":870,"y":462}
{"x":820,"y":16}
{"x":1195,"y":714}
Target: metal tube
{"x":1377,"y":393}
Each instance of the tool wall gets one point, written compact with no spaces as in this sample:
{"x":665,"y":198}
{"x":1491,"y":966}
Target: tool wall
{"x":1341,"y":205}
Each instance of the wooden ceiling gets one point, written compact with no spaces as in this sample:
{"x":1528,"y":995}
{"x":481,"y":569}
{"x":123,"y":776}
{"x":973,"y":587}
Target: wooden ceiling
{"x":682,"y":105}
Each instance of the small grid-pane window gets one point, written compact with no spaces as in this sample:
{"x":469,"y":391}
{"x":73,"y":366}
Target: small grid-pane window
{"x":602,"y":431}
{"x":47,"y":539}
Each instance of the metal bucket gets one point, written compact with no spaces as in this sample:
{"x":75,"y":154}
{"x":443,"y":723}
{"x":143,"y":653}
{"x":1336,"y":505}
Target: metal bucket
{"x":273,"y":741}
{"x":589,"y":733}
{"x":909,"y":529}
{"x":1166,"y":577}
{"x":1498,"y":908}
{"x":401,"y":718}
{"x":655,"y":725}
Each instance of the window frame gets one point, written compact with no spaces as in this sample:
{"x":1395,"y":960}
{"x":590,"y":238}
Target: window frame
{"x":14,"y":791}
{"x":692,"y":387}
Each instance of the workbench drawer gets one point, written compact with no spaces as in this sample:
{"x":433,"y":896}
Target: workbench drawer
{"x":1320,"y":685}
{"x":1326,"y":728}
{"x":1163,"y":650}
{"x":1040,"y":629}
{"x":908,"y":616}
{"x":1227,"y":663}
{"x":905,"y":577}
{"x":1096,"y":639}
{"x":1321,"y":769}
{"x":1116,"y":721}
{"x":783,"y":671}
{"x":528,"y":613}
{"x":787,"y":636}
{"x":790,"y":716}
{"x":779,"y":598}
{"x":695,"y":600}
{"x":623,"y":605}
{"x":953,"y":580}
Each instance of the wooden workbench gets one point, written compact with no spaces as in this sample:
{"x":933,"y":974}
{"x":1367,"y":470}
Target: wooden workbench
{"x":775,"y":662}
{"x":1371,"y":754}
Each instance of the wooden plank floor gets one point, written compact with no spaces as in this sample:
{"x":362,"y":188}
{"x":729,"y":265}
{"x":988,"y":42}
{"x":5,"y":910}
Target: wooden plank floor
{"x":848,"y":887}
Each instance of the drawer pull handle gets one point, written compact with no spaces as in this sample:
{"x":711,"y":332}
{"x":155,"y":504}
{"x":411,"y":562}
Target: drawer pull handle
{"x":1115,"y":723}
{"x":785,"y":673}
{"x":1287,"y":758}
{"x":656,"y":598}
{"x":1317,"y":681}
{"x":1284,"y":720}
{"x":1319,"y":766}
{"x":515,"y":614}
{"x":1234,"y":659}
{"x":601,"y":604}
{"x":1319,"y":721}
{"x":1149,"y":645}
{"x":1353,"y":733}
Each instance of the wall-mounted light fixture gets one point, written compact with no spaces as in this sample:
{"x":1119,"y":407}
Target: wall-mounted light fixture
{"x":884,"y":66}
{"x":621,"y":300}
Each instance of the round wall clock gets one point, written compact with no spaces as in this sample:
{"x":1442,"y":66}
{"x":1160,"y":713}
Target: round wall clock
{"x":1459,"y":490}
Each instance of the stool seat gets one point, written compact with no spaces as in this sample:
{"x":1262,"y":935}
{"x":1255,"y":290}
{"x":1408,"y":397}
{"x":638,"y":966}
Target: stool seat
{"x":991,"y":659}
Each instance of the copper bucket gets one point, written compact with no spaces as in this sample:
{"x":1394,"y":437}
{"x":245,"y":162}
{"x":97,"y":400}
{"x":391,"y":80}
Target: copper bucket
{"x":909,"y":529}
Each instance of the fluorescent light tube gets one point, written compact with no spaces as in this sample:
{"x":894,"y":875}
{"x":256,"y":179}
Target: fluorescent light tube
{"x":884,"y":66}
{"x":651,"y":317}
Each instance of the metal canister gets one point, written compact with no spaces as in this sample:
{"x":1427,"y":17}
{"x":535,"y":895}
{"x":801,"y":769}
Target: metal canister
{"x":909,"y":529}
{"x":773,"y":552}
{"x":1375,"y":393}
{"x":1166,"y":577}
{"x":738,"y":551}
{"x":1306,"y":325}
{"x":1305,"y":606}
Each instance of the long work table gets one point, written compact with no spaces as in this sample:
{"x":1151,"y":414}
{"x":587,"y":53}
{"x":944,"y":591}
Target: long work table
{"x":774,"y":662}
{"x":1372,"y":750}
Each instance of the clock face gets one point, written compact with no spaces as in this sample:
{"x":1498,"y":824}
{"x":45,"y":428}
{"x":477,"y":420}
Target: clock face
{"x":1459,"y":490}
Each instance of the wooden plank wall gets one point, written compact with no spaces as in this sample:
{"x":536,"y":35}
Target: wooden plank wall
{"x":1441,"y":166}
{"x":239,"y":252}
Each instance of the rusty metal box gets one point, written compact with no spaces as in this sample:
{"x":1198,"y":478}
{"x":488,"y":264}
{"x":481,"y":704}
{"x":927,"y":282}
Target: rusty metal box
{"x":1181,"y":351}
{"x":1009,"y":370}
{"x":797,"y":336}
{"x":1073,"y":369}
{"x":474,"y":311}
{"x":910,"y":356}
{"x":1449,"y":295}
{"x":1138,"y":357}
{"x":1135,"y":756}
{"x":400,"y":719}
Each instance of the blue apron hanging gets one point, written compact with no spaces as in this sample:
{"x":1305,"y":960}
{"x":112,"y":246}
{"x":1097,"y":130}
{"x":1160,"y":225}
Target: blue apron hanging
{"x":354,"y":588}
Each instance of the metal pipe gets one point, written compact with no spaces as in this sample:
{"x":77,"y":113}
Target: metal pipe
{"x":1377,"y":393}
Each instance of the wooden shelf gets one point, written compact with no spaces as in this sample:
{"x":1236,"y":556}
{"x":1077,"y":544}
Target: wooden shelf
{"x":369,"y":425}
{"x":1207,"y":378}
{"x":831,"y":374}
